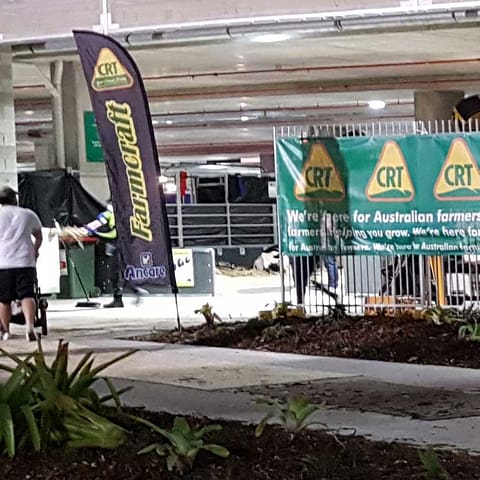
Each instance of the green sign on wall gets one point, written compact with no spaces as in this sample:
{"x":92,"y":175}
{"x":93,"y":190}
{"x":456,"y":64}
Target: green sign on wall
{"x":409,"y":194}
{"x":93,"y":147}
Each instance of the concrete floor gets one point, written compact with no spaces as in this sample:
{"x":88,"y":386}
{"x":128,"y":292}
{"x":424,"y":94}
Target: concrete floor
{"x":188,"y":379}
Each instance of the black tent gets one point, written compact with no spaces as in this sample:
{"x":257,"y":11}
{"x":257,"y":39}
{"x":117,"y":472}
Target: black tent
{"x":57,"y":194}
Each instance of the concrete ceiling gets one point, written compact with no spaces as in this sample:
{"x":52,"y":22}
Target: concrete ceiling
{"x":224,"y":95}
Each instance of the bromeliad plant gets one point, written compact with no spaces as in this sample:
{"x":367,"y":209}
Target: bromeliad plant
{"x":183,"y":443}
{"x":470,"y":331}
{"x":63,"y":407}
{"x":293,"y":414}
{"x":432,"y":466}
{"x":208,"y":314}
{"x":18,"y":425}
{"x":440,"y":316}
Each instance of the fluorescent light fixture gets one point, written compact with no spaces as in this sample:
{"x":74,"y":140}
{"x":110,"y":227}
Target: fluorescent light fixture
{"x":154,"y":122}
{"x":271,"y":37}
{"x":244,"y":118}
{"x":29,"y":112}
{"x":376,"y":104}
{"x":168,"y":122}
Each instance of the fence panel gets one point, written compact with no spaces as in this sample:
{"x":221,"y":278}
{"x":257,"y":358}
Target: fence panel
{"x":369,"y":284}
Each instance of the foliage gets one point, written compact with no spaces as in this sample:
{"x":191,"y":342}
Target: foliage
{"x":287,"y":310}
{"x":432,"y":465}
{"x":79,"y":383}
{"x":440,"y":316}
{"x":57,"y":406}
{"x":208,"y":314}
{"x":183,"y":443}
{"x":470,"y":331}
{"x":17,"y":421}
{"x":293,"y":414}
{"x":276,"y":331}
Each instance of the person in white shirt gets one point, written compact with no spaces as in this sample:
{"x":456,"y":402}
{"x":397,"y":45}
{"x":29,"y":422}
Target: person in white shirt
{"x":20,"y":241}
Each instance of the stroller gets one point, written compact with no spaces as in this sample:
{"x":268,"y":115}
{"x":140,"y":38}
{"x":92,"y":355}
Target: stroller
{"x":40,"y":314}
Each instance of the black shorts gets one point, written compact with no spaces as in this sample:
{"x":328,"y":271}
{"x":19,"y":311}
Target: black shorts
{"x":17,"y":284}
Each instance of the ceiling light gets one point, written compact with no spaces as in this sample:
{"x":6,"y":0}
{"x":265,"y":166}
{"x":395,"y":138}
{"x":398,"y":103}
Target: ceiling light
{"x":243,"y":104}
{"x":376,"y":104}
{"x":29,"y":112}
{"x":154,"y":122}
{"x":168,"y":122}
{"x":244,"y":118}
{"x":163,"y":179}
{"x":271,"y":37}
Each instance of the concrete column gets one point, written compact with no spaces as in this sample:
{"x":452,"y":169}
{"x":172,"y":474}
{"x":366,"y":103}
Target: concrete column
{"x":92,"y":175}
{"x":8,"y":152}
{"x":436,"y":105}
{"x":44,"y":153}
{"x":69,"y":108}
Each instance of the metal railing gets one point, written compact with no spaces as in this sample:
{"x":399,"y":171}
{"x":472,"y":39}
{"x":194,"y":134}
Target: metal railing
{"x":223,"y":225}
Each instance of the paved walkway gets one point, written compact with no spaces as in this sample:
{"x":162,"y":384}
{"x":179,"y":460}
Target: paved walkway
{"x":215,"y":382}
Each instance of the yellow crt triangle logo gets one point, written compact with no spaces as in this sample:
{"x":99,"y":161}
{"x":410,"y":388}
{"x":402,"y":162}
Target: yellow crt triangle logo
{"x":459,"y":178}
{"x":109,"y":73}
{"x":390,"y":181}
{"x":320,"y":178}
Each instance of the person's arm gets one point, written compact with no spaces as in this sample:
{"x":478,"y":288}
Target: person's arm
{"x":36,"y":226}
{"x":38,"y":239}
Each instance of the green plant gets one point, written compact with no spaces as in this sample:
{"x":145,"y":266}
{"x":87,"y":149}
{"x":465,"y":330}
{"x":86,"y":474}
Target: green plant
{"x":276,"y":332}
{"x":432,"y":465}
{"x":79,"y":383}
{"x":440,"y":316}
{"x":65,"y":405}
{"x":184,"y":443}
{"x":293,"y":414}
{"x":470,"y":331}
{"x":17,"y":421}
{"x":208,"y":314}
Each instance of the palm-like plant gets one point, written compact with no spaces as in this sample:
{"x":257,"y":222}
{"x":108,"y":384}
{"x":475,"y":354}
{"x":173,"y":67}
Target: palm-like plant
{"x":17,"y":420}
{"x":183,"y":443}
{"x":293,"y":414}
{"x":64,"y":407}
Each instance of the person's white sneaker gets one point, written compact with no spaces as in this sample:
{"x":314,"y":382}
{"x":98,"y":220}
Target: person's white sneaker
{"x":5,"y":336}
{"x":31,"y":336}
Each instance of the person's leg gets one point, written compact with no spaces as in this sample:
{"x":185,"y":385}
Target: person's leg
{"x":302,"y":269}
{"x":29,"y":308}
{"x":116,"y":278}
{"x":7,"y":292}
{"x":5,"y":315}
{"x":330,"y":263}
{"x":25,"y":279}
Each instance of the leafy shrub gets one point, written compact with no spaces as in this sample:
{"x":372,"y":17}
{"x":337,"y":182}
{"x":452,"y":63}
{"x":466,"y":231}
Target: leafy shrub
{"x":293,"y":414}
{"x":208,"y":314}
{"x":431,"y":464}
{"x":56,"y":406}
{"x":440,"y":316}
{"x":17,"y":420}
{"x":183,"y":443}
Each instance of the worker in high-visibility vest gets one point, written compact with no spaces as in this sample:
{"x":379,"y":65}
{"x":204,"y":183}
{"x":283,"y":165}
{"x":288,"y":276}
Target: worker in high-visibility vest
{"x":104,"y":227}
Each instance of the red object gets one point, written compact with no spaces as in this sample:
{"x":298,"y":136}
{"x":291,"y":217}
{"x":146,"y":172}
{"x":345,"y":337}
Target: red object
{"x":183,"y":183}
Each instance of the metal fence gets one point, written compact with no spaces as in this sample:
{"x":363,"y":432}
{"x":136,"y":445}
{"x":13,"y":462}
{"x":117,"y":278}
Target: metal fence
{"x":370,"y":284}
{"x":223,"y":225}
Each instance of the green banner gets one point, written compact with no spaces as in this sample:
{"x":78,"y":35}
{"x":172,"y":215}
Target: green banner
{"x":377,"y":195}
{"x":93,"y":147}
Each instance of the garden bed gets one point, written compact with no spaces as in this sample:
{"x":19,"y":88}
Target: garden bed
{"x":392,"y":339}
{"x":311,"y":455}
